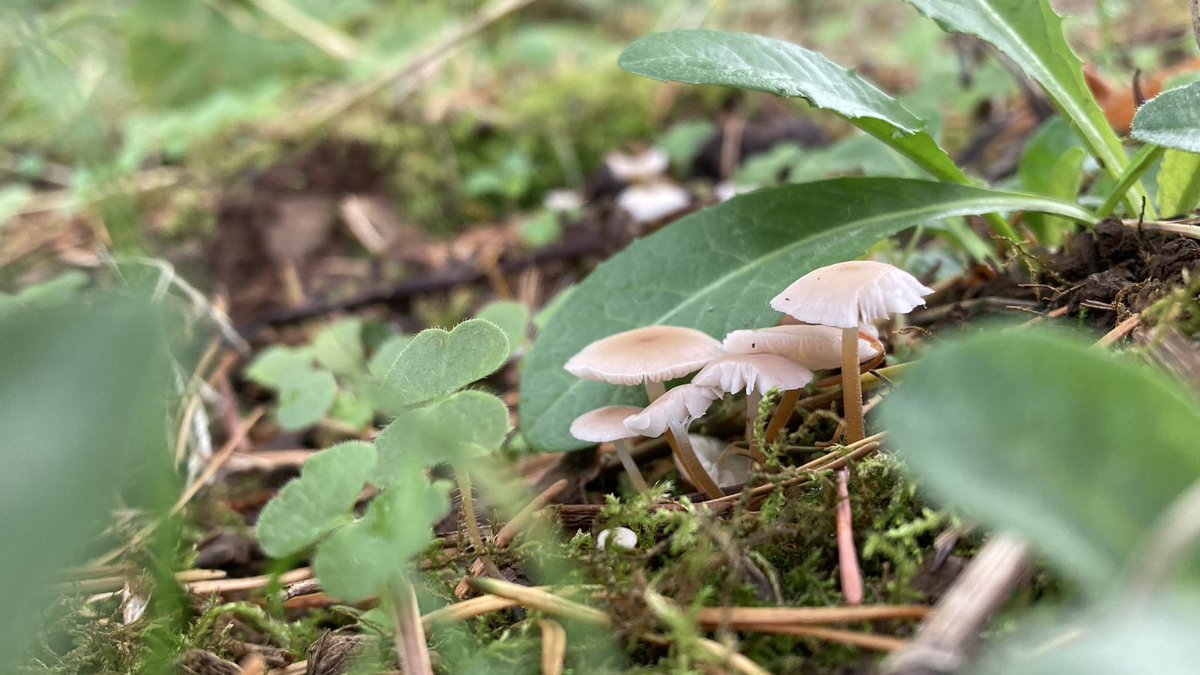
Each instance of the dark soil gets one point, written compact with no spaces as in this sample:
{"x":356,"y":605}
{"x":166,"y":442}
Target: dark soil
{"x":1118,"y":270}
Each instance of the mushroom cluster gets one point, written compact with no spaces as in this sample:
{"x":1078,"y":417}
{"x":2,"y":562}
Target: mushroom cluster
{"x":837,"y":307}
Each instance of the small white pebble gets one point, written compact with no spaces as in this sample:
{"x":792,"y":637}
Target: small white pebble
{"x":622,"y":537}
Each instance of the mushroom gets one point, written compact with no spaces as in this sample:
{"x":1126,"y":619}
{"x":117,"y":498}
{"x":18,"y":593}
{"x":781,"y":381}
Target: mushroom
{"x":670,"y":414}
{"x":848,"y":296}
{"x":814,"y":347}
{"x":651,"y":356}
{"x":605,"y":425}
{"x":640,"y":168}
{"x":756,"y":374}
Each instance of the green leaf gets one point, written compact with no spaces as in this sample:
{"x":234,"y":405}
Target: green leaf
{"x":85,"y":390}
{"x":1170,"y":119}
{"x":717,"y":269}
{"x":1030,"y":33}
{"x":353,"y":408}
{"x":437,"y":363}
{"x":467,"y":425}
{"x":274,"y":365}
{"x":316,"y":502}
{"x":1111,"y":640}
{"x":368,"y":557}
{"x":764,"y":64}
{"x":383,"y":358}
{"x":304,"y":398}
{"x":1179,"y":183}
{"x":339,"y":347}
{"x":1065,"y":181}
{"x":510,"y":317}
{"x":1074,"y":450}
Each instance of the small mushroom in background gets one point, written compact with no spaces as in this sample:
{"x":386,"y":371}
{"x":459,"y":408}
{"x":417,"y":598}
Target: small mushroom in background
{"x":849,"y":296}
{"x":607,"y":425}
{"x":670,"y":414}
{"x":622,"y":537}
{"x":756,"y":374}
{"x":649,"y":195}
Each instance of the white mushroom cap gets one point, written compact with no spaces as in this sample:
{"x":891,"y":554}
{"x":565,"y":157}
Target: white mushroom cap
{"x":680,"y":405}
{"x":849,"y":294}
{"x":650,"y":354}
{"x":815,"y":347}
{"x":651,"y":202}
{"x":604,"y":425}
{"x":622,"y":537}
{"x":637,"y":168}
{"x":758,"y":373}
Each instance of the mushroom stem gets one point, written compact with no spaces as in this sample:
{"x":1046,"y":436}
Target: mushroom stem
{"x":783,"y":413}
{"x":852,"y":386}
{"x":753,"y":399}
{"x":848,"y":569}
{"x":631,"y":467}
{"x":468,"y":510}
{"x":677,"y":437}
{"x":654,"y":390}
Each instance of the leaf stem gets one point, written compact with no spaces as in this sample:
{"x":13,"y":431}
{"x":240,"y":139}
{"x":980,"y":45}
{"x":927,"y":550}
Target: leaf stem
{"x":1142,"y":162}
{"x":411,"y":646}
{"x":472,"y":523}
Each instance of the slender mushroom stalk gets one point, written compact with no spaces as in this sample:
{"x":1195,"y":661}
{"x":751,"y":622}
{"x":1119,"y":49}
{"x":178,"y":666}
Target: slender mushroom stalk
{"x":848,"y":296}
{"x":755,"y":374}
{"x":681,"y":445}
{"x":669,"y":415}
{"x":608,"y":424}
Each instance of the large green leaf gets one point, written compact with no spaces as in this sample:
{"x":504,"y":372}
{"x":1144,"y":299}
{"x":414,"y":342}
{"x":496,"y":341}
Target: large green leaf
{"x":1073,"y":449}
{"x":764,"y":64}
{"x":84,"y":395}
{"x":1171,"y":119}
{"x":316,"y":502}
{"x":1030,"y":33}
{"x":1118,"y":639}
{"x":717,"y":269}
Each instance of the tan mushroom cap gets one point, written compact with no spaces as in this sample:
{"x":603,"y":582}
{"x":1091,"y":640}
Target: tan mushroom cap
{"x":604,"y":425}
{"x":650,"y":354}
{"x":815,"y":347}
{"x":758,"y":373}
{"x":850,"y":294}
{"x":680,"y":405}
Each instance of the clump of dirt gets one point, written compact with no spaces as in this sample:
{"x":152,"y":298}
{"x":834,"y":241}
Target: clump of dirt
{"x":1116,"y":270}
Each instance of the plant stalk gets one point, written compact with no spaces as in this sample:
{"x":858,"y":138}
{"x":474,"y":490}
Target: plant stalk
{"x":411,"y":646}
{"x":1141,"y":163}
{"x":468,"y":510}
{"x":677,"y":437}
